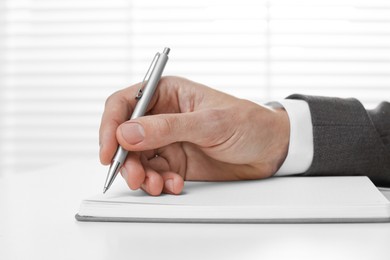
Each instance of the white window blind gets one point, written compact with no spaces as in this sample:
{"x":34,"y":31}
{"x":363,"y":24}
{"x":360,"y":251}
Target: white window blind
{"x":60,"y":59}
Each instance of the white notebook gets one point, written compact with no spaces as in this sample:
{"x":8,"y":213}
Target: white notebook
{"x":277,"y":199}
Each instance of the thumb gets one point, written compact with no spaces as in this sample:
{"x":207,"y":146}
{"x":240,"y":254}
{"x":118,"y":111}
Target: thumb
{"x":203,"y":128}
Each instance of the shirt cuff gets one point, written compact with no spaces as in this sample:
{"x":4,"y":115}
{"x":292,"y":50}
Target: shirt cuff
{"x":300,"y":149}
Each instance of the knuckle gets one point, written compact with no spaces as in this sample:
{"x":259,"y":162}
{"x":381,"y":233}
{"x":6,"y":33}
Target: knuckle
{"x":118,"y":97}
{"x":110,"y":99}
{"x":165,"y":80}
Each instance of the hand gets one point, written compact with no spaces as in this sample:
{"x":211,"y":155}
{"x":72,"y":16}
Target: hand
{"x":192,"y":132}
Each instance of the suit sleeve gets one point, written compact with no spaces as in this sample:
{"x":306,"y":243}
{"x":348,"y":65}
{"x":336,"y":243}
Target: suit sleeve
{"x":348,"y":139}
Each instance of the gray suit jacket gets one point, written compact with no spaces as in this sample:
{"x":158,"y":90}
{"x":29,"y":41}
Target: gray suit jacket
{"x":348,"y":139}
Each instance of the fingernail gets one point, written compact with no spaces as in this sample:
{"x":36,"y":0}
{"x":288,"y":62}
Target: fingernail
{"x":133,"y":133}
{"x":124,"y":173}
{"x":169,"y":185}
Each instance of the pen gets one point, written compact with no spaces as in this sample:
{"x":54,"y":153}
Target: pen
{"x":144,"y":95}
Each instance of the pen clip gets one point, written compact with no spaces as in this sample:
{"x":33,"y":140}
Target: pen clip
{"x":147,"y":76}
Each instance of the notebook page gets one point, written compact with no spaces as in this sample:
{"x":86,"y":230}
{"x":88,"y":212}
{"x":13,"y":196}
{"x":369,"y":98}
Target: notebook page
{"x":280,"y":191}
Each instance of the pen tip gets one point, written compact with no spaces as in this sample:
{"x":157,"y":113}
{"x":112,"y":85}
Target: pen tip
{"x":104,"y":190}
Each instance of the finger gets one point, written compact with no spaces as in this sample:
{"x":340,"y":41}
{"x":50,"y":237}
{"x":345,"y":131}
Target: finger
{"x":149,"y":154}
{"x":159,"y":164}
{"x":133,"y":172}
{"x":153,"y":183}
{"x":115,"y":113}
{"x":173,"y":183}
{"x":205,"y":128}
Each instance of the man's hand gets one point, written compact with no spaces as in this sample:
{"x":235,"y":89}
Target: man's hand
{"x":192,"y":132}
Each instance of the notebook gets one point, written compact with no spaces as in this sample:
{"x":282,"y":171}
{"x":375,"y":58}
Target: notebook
{"x":273,"y":200}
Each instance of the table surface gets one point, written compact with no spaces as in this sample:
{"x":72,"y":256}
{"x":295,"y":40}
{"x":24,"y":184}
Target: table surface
{"x":37,"y":222}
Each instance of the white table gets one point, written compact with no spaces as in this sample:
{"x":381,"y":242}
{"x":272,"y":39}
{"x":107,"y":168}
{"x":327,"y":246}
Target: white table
{"x":37,"y":222}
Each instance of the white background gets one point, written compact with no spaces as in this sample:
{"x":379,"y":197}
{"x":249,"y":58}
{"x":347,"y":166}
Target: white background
{"x":60,"y":59}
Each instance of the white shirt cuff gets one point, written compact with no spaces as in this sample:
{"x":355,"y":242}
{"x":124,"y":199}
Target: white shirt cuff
{"x":300,"y":150}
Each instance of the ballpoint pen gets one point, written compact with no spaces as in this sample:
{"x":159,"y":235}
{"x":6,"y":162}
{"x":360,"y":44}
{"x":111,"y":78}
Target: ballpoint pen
{"x":144,"y":95}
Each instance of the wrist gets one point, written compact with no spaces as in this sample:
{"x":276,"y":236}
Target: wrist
{"x":282,"y":137}
{"x":277,"y":141}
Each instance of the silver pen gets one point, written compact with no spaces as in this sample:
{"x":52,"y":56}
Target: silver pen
{"x":144,"y":95}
